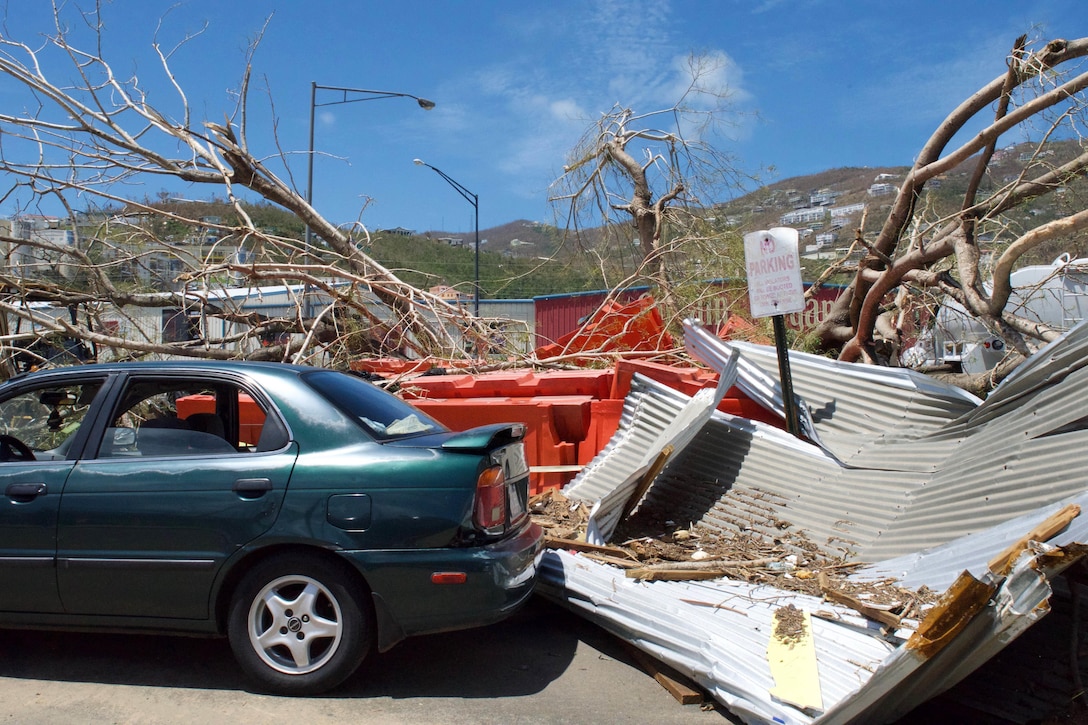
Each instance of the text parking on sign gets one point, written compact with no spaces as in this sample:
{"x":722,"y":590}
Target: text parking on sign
{"x":774,"y":272}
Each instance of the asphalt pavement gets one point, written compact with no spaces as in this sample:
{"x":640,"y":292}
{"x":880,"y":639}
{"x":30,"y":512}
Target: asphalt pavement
{"x":544,"y":665}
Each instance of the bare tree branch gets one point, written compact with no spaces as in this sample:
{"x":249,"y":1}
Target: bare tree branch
{"x":100,"y":138}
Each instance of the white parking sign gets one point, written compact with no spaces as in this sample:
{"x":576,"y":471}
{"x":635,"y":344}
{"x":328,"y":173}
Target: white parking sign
{"x":774,"y":272}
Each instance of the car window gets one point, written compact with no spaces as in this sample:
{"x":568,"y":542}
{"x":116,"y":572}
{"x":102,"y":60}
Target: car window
{"x":43,"y":421}
{"x":172,"y":417}
{"x":384,"y":415}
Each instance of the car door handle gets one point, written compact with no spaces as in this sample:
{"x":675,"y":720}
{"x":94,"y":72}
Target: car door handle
{"x":25,"y":491}
{"x":252,"y":487}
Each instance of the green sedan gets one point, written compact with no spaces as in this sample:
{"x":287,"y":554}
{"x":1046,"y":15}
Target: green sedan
{"x":306,"y":514}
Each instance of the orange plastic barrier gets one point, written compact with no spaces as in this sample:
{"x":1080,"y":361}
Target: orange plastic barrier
{"x":738,"y":328}
{"x":636,"y":327}
{"x":512,"y":384}
{"x":251,"y":417}
{"x":690,"y":381}
{"x":555,"y":428}
{"x":604,"y":421}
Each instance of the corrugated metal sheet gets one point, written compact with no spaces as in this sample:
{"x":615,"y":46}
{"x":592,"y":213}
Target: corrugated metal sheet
{"x":905,"y":484}
{"x":752,"y":380}
{"x":848,"y":400}
{"x":612,"y":477}
{"x":714,"y":632}
{"x":924,"y":481}
{"x":515,"y":321}
{"x":717,"y":633}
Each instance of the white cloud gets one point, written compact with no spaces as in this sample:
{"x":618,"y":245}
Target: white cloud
{"x":612,"y":51}
{"x":567,"y":109}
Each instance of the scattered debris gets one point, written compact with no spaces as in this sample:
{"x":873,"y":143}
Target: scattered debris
{"x":696,"y":552}
{"x":847,"y":575}
{"x":789,"y":624}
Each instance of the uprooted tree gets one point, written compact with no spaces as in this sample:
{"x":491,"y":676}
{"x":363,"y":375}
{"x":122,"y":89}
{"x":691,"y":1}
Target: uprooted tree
{"x":120,"y":256}
{"x":920,"y":255}
{"x":638,"y":186}
{"x":642,"y":172}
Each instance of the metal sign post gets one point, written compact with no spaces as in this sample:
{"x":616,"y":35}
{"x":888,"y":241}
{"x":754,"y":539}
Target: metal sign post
{"x":775,"y":290}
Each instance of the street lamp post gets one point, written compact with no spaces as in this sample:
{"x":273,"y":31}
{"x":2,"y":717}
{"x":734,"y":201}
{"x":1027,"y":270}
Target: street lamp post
{"x":475,"y":201}
{"x":347,"y":95}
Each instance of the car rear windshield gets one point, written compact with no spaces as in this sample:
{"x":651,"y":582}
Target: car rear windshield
{"x":384,"y":415}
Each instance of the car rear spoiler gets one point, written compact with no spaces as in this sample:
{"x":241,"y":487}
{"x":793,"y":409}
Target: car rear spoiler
{"x":486,"y":437}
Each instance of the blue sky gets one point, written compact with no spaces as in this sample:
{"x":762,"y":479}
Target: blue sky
{"x":817,"y":84}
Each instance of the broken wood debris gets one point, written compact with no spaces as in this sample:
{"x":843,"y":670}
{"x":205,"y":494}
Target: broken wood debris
{"x":674,"y":683}
{"x":647,"y":478}
{"x":884,"y":616}
{"x":1002,"y":563}
{"x":660,"y":550}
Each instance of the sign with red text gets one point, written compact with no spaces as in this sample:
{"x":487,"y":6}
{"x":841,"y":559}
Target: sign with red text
{"x":774,"y":272}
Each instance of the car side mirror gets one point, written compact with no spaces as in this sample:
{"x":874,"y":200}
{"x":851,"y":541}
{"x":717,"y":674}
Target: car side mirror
{"x":124,"y":437}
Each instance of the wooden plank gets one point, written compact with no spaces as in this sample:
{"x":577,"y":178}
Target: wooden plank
{"x":646,"y":480}
{"x":671,"y":575}
{"x":1046,"y":530}
{"x":839,"y":597}
{"x":575,"y":545}
{"x":614,"y":561}
{"x":792,"y":660}
{"x":673,"y":682}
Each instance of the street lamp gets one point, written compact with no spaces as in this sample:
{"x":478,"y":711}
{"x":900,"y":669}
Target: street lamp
{"x":475,"y":201}
{"x":362,"y":94}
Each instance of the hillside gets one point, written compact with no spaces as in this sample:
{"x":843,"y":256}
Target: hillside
{"x":521,"y":238}
{"x":525,"y":258}
{"x":827,"y":207}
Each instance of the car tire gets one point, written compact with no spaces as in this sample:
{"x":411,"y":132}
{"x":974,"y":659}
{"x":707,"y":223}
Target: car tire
{"x":299,"y":625}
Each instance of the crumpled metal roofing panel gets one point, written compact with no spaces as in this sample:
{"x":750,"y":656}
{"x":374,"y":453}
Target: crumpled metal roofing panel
{"x":745,"y":476}
{"x":717,"y":632}
{"x":939,"y":566}
{"x":1012,"y":464}
{"x":1010,"y":454}
{"x":752,"y":381}
{"x":991,"y":472}
{"x":854,"y":407}
{"x":714,"y":632}
{"x":646,"y":429}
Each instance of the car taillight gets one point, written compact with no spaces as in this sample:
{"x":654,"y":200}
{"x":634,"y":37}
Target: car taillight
{"x":490,"y":514}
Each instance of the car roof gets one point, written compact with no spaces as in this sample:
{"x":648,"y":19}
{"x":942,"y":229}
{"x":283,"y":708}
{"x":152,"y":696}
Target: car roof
{"x":181,"y":366}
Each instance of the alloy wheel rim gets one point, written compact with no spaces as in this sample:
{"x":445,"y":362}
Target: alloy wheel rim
{"x":295,"y":625}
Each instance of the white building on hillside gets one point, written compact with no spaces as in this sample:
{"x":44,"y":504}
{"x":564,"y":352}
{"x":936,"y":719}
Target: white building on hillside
{"x":803,"y":216}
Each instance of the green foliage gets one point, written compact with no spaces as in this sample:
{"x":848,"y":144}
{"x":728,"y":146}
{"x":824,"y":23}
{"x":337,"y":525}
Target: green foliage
{"x":424,"y":263}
